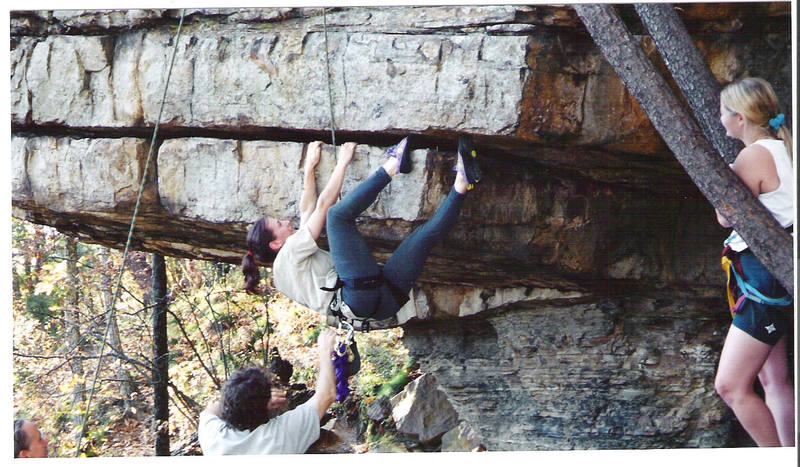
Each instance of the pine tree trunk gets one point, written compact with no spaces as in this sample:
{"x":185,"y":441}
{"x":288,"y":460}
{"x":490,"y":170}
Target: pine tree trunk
{"x":160,"y":357}
{"x":690,"y":71}
{"x":765,"y":237}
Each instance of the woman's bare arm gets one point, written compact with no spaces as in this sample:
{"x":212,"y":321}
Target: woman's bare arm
{"x":308,"y":200}
{"x":749,"y":166}
{"x":330,"y":194}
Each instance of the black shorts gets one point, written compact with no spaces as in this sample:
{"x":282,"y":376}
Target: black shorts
{"x":765,"y":323}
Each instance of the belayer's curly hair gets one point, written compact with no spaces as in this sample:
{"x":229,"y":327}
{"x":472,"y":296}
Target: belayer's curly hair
{"x":258,"y":239}
{"x":245,"y":397}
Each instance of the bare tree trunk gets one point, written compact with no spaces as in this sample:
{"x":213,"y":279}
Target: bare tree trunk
{"x":160,"y":356}
{"x":125,"y":386}
{"x":124,"y":377}
{"x":765,"y":237}
{"x":72,"y":320}
{"x":691,"y":72}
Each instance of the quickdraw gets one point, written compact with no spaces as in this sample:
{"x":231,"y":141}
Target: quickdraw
{"x":344,"y":365}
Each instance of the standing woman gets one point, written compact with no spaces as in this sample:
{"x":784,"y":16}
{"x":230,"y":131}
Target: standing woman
{"x":756,"y":344}
{"x":308,"y":275}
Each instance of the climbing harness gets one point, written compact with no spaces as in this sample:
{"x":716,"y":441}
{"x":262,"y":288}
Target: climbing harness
{"x":738,"y":285}
{"x":111,"y":308}
{"x":345,"y":364}
{"x":344,"y":314}
{"x":342,"y":311}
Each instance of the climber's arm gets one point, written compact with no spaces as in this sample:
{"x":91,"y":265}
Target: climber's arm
{"x":325,"y":394}
{"x":330,"y":194}
{"x":308,"y":200}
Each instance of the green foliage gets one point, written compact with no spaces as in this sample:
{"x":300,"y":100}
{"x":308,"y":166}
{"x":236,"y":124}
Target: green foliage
{"x":209,"y":316}
{"x":62,"y":417}
{"x":311,"y":336}
{"x":394,"y":385}
{"x":226,"y":320}
{"x":94,"y":439}
{"x":303,"y":376}
{"x":385,"y":373}
{"x":38,"y":307}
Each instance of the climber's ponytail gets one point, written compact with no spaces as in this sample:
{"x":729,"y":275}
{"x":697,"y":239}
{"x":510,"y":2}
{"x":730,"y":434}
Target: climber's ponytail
{"x":258,"y":239}
{"x":252,"y":276}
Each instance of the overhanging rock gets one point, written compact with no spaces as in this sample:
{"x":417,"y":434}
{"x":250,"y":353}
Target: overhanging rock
{"x":580,"y":198}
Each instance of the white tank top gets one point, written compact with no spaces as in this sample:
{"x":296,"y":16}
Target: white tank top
{"x":779,"y":202}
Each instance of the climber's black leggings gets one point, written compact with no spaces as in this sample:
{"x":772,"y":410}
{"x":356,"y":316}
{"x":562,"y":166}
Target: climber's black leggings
{"x":352,"y":257}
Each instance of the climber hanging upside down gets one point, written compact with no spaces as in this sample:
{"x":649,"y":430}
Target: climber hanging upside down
{"x":347,"y":282}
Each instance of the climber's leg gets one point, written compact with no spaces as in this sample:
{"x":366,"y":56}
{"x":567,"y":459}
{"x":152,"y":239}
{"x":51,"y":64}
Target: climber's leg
{"x":351,"y":255}
{"x":405,"y":265}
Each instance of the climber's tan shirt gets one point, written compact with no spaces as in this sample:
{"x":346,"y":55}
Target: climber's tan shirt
{"x":301,"y":268}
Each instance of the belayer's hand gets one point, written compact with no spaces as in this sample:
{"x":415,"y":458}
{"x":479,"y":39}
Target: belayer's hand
{"x":325,"y":342}
{"x":277,"y":400}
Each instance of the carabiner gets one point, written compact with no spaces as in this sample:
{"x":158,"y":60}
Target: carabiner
{"x":340,"y":348}
{"x":343,"y":337}
{"x":350,"y":332}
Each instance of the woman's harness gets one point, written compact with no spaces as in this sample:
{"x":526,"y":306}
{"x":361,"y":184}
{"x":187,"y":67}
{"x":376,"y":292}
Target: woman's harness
{"x":342,"y":311}
{"x":347,"y":364}
{"x":738,"y":285}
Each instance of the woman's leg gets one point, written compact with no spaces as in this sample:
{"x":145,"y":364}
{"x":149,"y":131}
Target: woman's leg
{"x":779,"y":392}
{"x":741,"y":360}
{"x":405,"y":265}
{"x":351,"y":256}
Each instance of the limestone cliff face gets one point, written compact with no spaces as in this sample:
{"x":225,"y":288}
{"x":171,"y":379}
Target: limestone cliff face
{"x":584,"y":268}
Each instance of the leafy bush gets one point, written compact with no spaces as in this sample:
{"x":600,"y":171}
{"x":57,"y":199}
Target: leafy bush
{"x":38,"y":306}
{"x":394,"y":385}
{"x":311,"y":336}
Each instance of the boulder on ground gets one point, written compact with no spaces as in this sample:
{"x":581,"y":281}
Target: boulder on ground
{"x":423,"y":410}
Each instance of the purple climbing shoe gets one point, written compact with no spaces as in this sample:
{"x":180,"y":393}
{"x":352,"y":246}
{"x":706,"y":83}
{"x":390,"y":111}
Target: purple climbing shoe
{"x":401,"y":151}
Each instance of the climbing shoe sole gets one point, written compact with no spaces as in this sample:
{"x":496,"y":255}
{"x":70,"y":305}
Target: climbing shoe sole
{"x":469,"y":159}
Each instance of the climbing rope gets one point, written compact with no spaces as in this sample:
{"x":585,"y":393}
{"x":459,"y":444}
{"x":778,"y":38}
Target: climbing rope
{"x":346,"y":360}
{"x":340,"y":369}
{"x":330,"y":87}
{"x":111,"y":312}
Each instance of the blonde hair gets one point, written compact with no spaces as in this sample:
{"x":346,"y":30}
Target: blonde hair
{"x":755,"y":100}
